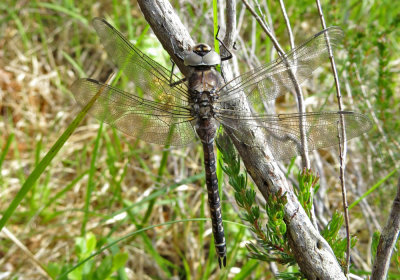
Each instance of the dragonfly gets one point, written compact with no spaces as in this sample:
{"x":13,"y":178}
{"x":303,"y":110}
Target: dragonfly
{"x":168,"y":110}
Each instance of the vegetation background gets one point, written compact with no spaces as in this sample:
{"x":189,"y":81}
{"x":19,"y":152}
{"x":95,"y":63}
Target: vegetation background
{"x":99,"y":186}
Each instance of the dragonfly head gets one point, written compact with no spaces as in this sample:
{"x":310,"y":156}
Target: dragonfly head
{"x":202,"y":55}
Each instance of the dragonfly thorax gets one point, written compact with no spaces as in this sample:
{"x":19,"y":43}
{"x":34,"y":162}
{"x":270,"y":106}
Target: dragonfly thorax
{"x":203,"y":87}
{"x":202,"y":55}
{"x":202,"y":104}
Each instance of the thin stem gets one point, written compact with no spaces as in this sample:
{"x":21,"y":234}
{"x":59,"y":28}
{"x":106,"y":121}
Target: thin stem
{"x":342,"y":138}
{"x":287,"y":22}
{"x":300,"y":103}
{"x":299,"y":95}
{"x":301,"y":108}
{"x":344,"y":201}
{"x":265,"y":28}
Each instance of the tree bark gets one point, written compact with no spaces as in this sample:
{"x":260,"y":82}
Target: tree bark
{"x":313,"y":254}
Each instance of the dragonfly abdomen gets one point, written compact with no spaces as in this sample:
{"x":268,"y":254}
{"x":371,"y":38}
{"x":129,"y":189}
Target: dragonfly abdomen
{"x":214,"y":202}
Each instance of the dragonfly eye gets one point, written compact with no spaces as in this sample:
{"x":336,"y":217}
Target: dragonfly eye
{"x":201,"y":49}
{"x":202,"y":55}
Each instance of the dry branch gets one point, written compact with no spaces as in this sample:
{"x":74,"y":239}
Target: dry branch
{"x":313,"y":254}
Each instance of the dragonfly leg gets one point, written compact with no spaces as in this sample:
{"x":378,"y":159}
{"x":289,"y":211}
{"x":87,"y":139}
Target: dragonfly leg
{"x":179,"y":56}
{"x":229,"y":56}
{"x":171,"y":83}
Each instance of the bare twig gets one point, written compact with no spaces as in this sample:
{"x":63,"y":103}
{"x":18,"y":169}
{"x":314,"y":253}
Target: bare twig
{"x":387,"y":241}
{"x":266,"y":29}
{"x":268,"y":19}
{"x":343,"y":138}
{"x":344,"y":199}
{"x":299,"y":96}
{"x":287,"y":22}
{"x":301,"y":108}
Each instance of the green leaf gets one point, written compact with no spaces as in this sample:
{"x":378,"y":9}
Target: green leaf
{"x":282,"y":228}
{"x":80,"y":246}
{"x":374,"y":245}
{"x":90,"y":242}
{"x":119,"y":260}
{"x":76,"y":274}
{"x":87,"y":270}
{"x":105,"y":268}
{"x":53,"y":269}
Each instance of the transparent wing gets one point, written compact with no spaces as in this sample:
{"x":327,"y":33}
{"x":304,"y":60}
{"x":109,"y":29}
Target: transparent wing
{"x":282,"y":131}
{"x":274,"y":79}
{"x":148,"y":75}
{"x":154,"y":122}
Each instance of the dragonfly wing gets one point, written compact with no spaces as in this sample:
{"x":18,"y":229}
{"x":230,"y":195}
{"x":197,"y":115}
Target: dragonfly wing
{"x":274,"y":79}
{"x":148,"y":75}
{"x":282,"y":132}
{"x":153,"y":122}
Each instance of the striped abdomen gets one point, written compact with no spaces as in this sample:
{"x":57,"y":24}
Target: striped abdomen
{"x":214,"y":202}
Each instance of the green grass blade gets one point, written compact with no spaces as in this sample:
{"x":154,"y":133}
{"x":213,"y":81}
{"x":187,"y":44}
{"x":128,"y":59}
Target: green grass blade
{"x":45,"y":162}
{"x":128,"y":18}
{"x":58,"y":195}
{"x":64,"y":10}
{"x":21,"y":30}
{"x":163,"y":263}
{"x":186,"y":267}
{"x":215,"y":25}
{"x":201,"y":232}
{"x":74,"y":64}
{"x":161,"y":169}
{"x":380,"y":182}
{"x":91,"y":183}
{"x":10,"y":139}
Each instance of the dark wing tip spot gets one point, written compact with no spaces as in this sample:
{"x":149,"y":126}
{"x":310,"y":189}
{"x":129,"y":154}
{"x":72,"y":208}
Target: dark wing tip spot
{"x":92,"y":81}
{"x":98,"y":20}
